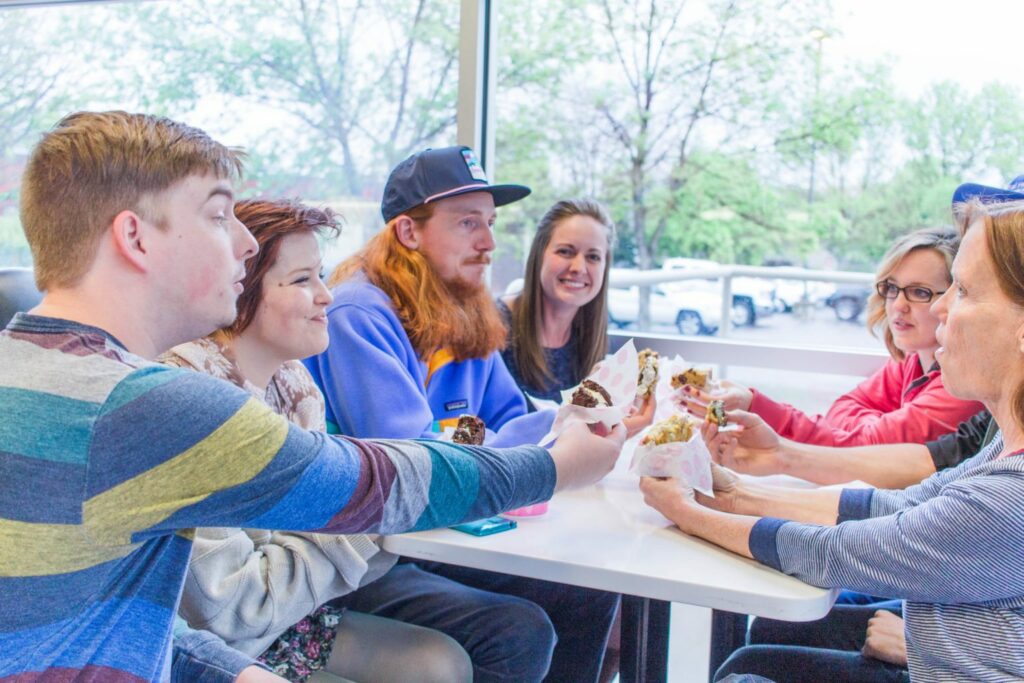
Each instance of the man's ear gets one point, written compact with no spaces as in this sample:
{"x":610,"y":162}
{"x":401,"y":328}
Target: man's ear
{"x":129,"y":232}
{"x":407,"y":233}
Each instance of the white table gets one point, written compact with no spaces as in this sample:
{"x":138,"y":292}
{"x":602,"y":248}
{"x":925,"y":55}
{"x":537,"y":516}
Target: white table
{"x":605,"y":537}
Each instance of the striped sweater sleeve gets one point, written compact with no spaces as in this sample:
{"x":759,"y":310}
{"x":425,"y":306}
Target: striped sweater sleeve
{"x":864,"y":503}
{"x":964,"y":545}
{"x":887,"y":502}
{"x":174,"y":449}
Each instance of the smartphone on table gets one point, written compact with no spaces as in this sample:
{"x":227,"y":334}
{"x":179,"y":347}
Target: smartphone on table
{"x":486,"y":527}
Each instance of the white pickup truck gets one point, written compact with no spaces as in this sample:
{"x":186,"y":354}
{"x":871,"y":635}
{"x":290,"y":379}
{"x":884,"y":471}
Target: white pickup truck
{"x":693,"y":313}
{"x":752,"y":298}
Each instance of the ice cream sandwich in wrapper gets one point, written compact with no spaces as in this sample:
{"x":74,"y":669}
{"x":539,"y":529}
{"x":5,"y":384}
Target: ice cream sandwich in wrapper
{"x":716,"y":414}
{"x":673,"y":447}
{"x":676,"y":374}
{"x":470,"y":431}
{"x":694,"y":376}
{"x":647,"y":373}
{"x":605,"y":396}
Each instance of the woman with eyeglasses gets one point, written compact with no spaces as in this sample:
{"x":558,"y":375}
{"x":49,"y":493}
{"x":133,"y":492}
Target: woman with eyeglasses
{"x":903,"y":402}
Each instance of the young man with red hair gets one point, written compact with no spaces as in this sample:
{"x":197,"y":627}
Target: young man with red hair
{"x":414,"y":326}
{"x":415,"y":342}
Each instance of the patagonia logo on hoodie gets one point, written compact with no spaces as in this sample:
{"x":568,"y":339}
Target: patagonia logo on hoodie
{"x":461,"y":404}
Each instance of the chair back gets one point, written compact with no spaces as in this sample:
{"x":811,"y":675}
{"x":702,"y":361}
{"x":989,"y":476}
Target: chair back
{"x":18,"y":293}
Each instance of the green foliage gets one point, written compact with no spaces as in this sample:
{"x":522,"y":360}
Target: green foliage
{"x":724,"y":211}
{"x":864,"y":225}
{"x":14,"y":249}
{"x":363,"y":84}
{"x":963,"y":135}
{"x":32,"y":76}
{"x":713,"y":129}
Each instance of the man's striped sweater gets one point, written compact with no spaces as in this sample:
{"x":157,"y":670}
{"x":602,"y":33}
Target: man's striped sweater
{"x":952,"y":547}
{"x":107,"y":461}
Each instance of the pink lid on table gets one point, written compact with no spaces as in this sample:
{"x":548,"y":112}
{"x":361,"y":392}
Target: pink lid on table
{"x":529,"y":510}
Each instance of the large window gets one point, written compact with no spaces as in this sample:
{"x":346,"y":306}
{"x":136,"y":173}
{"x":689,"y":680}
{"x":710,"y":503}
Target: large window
{"x":720,"y":131}
{"x":324,"y":95}
{"x":758,"y":133}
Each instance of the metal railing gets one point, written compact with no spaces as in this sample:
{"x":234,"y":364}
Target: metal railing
{"x":620,"y":277}
{"x":786,"y":358}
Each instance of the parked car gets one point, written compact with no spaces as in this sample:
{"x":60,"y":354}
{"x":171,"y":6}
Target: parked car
{"x":848,"y":302}
{"x":788,"y":293}
{"x":696,"y":313}
{"x":693,"y":314}
{"x":751,"y":297}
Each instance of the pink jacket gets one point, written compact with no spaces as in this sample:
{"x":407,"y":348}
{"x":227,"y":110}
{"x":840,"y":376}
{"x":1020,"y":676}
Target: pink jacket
{"x":897,"y":404}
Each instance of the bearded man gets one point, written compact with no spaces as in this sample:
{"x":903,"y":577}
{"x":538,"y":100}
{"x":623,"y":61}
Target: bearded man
{"x":415,"y":341}
{"x":415,"y":334}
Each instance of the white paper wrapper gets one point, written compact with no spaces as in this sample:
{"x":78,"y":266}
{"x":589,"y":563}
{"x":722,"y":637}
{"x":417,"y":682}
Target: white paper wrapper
{"x":664,"y":390}
{"x":689,"y":461}
{"x":543,"y":403}
{"x":618,"y":376}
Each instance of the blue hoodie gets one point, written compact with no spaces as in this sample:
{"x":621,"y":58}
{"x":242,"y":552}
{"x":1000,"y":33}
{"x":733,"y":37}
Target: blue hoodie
{"x":376,"y":385}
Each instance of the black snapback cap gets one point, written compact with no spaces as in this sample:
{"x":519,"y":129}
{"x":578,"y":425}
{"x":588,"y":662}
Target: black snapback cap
{"x":439,"y":173}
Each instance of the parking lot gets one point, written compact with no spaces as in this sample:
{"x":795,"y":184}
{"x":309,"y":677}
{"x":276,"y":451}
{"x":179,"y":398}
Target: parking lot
{"x":818,"y":327}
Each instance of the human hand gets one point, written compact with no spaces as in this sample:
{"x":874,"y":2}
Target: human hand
{"x":729,"y":531}
{"x":728,"y":489}
{"x":733,"y":396}
{"x":583,"y":457}
{"x":886,"y":640}
{"x":672,"y":498}
{"x":257,"y":674}
{"x":637,"y":420}
{"x":754,"y":448}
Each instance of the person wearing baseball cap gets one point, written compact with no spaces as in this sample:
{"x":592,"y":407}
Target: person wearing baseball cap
{"x":990,"y":195}
{"x":413,"y":323}
{"x":415,"y":341}
{"x":435,"y":174}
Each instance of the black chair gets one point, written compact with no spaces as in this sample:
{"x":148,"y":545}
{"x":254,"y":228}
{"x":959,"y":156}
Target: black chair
{"x":17,"y":293}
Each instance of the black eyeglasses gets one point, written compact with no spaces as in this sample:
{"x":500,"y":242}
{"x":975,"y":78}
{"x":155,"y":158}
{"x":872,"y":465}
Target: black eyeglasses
{"x":914,"y":294}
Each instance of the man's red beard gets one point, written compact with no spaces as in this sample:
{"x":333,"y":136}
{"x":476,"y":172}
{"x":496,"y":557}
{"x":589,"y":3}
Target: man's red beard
{"x":463,"y":290}
{"x":457,"y":315}
{"x":483,"y":330}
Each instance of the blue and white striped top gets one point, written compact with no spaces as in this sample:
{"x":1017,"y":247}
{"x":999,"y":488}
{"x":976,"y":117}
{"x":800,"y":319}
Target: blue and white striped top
{"x":952,"y":547}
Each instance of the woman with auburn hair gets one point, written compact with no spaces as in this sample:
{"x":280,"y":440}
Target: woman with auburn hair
{"x":265,"y":593}
{"x":953,"y":546}
{"x":904,"y":401}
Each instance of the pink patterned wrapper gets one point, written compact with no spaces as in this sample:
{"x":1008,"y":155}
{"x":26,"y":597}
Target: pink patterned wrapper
{"x":617,"y":375}
{"x":689,"y":461}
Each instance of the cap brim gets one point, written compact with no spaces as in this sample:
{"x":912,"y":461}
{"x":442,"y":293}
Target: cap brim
{"x":506,"y":194}
{"x":988,"y":195}
{"x":503,"y":194}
